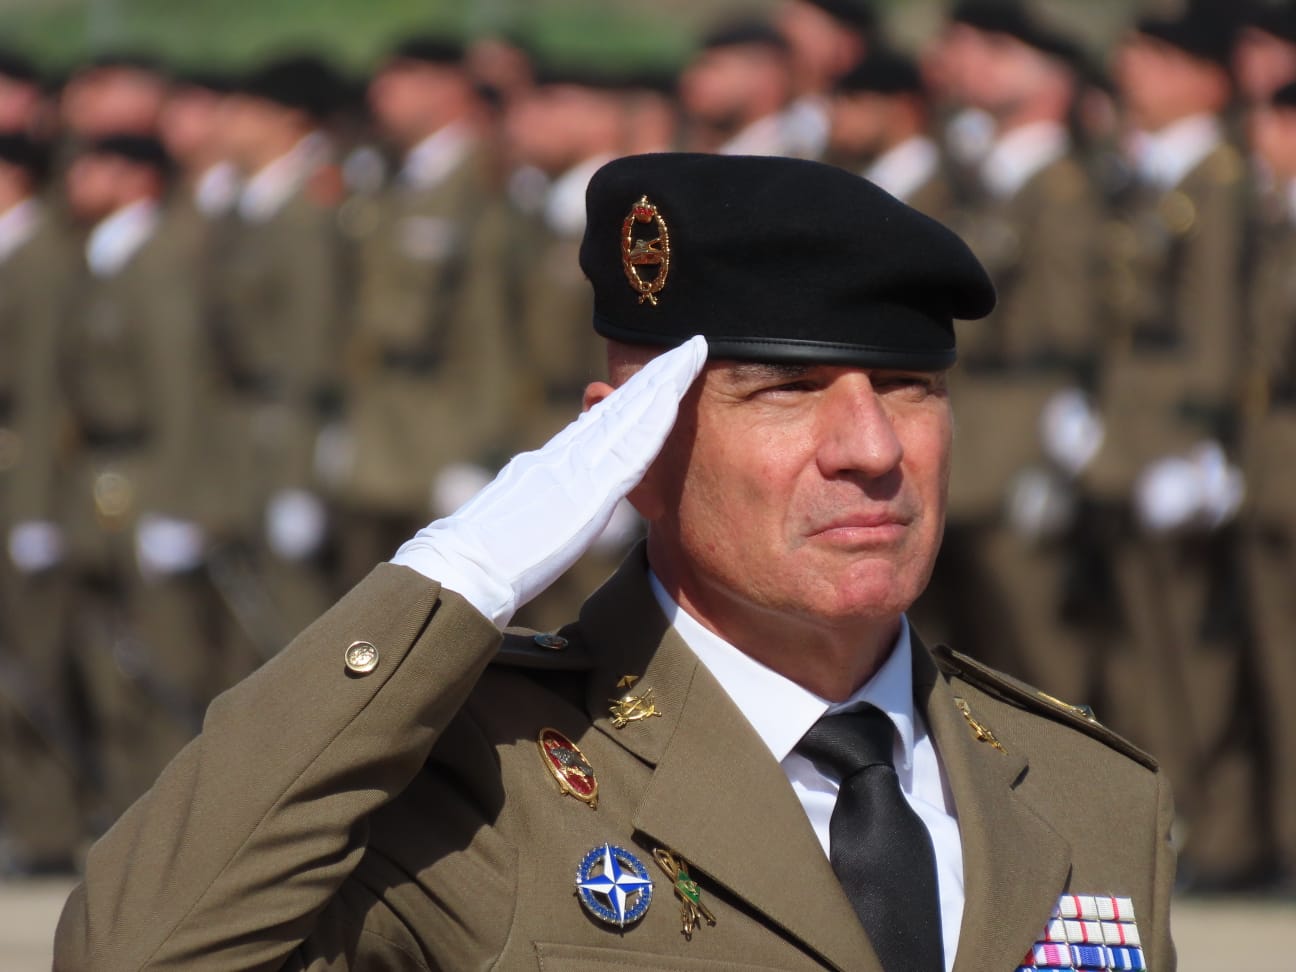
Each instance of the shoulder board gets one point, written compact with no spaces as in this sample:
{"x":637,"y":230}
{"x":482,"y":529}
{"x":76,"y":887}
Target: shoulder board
{"x":545,"y":651}
{"x":1018,"y":693}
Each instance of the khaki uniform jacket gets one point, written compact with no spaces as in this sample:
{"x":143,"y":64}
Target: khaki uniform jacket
{"x":1171,"y":367}
{"x":427,"y":379}
{"x":1040,"y":248}
{"x":277,"y":294}
{"x":404,"y":819}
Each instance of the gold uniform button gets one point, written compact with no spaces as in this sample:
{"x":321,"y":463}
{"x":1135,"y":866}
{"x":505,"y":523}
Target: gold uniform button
{"x":552,"y":642}
{"x":361,"y":657}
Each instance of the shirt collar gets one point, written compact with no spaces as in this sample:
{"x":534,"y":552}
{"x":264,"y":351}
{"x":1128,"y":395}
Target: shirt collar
{"x":1018,"y":155}
{"x":18,"y":224}
{"x":116,"y":239}
{"x":430,"y":162}
{"x":266,"y":192}
{"x":901,"y":170}
{"x":780,"y":710}
{"x":564,"y":207}
{"x":217,"y":189}
{"x":1164,"y":157}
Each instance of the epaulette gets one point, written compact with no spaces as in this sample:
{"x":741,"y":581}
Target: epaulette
{"x":1018,"y":693}
{"x":544,"y":651}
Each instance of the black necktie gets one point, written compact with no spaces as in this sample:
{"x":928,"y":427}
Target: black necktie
{"x":879,"y":848}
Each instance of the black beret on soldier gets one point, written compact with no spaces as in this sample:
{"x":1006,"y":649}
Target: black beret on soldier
{"x":1203,"y":36}
{"x":303,"y":81}
{"x":1013,"y":19}
{"x":884,"y":72}
{"x":429,"y":49}
{"x":774,"y":259}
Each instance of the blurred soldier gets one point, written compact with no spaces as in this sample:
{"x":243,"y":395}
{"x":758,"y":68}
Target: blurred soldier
{"x":129,"y":376}
{"x":565,"y":129}
{"x":879,"y":118}
{"x":1269,"y":457}
{"x":1154,"y":454}
{"x":1264,"y":54}
{"x":38,"y":749}
{"x":1034,"y":226}
{"x":119,"y":93}
{"x":427,"y":381}
{"x":278,"y":301}
{"x":22,"y":103}
{"x":736,"y":92}
{"x":650,"y":104}
{"x":191,"y":129}
{"x":826,"y":38}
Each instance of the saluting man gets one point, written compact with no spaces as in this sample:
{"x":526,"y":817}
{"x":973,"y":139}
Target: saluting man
{"x":740,"y":756}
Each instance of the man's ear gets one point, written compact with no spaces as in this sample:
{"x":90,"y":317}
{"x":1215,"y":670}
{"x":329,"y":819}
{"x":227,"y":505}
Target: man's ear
{"x":595,"y":392}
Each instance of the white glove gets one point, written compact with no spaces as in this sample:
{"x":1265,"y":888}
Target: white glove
{"x":1041,"y":504}
{"x":36,"y":545}
{"x":296,"y":523}
{"x":165,"y":545}
{"x":545,"y":508}
{"x":1070,"y":430}
{"x":1202,"y":489}
{"x":622,"y":528}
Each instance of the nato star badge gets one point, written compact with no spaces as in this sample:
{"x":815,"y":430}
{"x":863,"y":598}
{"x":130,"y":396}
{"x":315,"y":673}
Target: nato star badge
{"x":614,"y":885}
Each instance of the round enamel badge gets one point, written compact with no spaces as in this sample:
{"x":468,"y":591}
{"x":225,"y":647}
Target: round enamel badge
{"x":614,"y":885}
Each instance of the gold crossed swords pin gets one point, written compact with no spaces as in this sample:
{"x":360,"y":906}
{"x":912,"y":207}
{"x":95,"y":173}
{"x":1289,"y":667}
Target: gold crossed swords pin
{"x":632,"y":708}
{"x":692,"y":911}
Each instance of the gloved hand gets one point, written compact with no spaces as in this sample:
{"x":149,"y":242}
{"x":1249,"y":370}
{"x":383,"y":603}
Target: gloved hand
{"x":296,"y":523}
{"x":1201,"y":489}
{"x":544,"y":509}
{"x":166,"y":545}
{"x":36,"y":546}
{"x":1071,"y":432}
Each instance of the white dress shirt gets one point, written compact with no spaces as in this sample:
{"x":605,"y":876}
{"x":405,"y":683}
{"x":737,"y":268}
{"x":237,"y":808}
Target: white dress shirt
{"x":1016,"y":156}
{"x":905,"y":168}
{"x":564,"y":206}
{"x":1164,"y":157}
{"x":116,"y":239}
{"x":431,"y":161}
{"x":781,"y":712}
{"x":18,"y":224}
{"x":266,"y":192}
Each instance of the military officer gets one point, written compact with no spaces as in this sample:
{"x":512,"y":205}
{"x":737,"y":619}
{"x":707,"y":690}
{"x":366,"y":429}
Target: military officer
{"x":1269,"y":456}
{"x":39,"y":753}
{"x":399,"y":790}
{"x":426,"y":345}
{"x":1034,"y":225}
{"x":279,"y":291}
{"x":1156,"y":459}
{"x":130,"y":378}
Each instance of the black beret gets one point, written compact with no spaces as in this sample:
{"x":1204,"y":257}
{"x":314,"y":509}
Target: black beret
{"x":1202,"y":36}
{"x":774,"y":259}
{"x":141,"y":149}
{"x":302,"y":81}
{"x":430,"y":49}
{"x":17,"y":67}
{"x":23,"y":152}
{"x":856,"y":14}
{"x":1280,"y":21}
{"x":884,"y":72}
{"x":1284,"y":97}
{"x":744,"y":33}
{"x":1014,"y":20}
{"x":580,"y":75}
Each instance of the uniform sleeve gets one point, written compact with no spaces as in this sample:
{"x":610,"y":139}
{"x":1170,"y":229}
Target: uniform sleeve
{"x":1161,"y":950}
{"x":228,"y":861}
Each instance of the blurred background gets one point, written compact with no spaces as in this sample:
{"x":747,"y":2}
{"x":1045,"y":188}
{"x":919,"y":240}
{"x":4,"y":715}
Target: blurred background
{"x":282,"y":281}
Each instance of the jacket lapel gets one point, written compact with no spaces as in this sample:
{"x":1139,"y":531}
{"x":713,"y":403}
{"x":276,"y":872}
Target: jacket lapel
{"x":717,"y":795}
{"x":1014,"y":864}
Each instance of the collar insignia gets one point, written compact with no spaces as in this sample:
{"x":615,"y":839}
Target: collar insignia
{"x":641,"y":252}
{"x":569,"y":767}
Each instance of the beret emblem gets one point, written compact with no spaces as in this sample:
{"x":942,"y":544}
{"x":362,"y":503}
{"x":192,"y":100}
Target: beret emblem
{"x":641,"y":251}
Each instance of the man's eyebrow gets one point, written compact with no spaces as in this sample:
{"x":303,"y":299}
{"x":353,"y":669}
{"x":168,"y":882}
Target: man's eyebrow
{"x":765,"y":371}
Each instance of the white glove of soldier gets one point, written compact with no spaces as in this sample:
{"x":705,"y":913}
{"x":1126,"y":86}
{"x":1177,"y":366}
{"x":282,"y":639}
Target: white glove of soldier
{"x":545,"y":508}
{"x":165,"y":545}
{"x":296,"y":523}
{"x":1202,"y":489}
{"x":36,"y":546}
{"x":1070,"y":430}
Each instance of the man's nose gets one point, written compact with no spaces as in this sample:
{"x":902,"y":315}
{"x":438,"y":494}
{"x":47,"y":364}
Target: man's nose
{"x":858,"y":432}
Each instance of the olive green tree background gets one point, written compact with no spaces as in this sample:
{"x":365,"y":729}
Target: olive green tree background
{"x":232,"y":33}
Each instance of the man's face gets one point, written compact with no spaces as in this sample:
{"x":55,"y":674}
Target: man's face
{"x":808,"y":492}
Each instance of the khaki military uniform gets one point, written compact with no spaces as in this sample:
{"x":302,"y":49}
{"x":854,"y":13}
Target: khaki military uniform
{"x":1039,"y":246}
{"x":1168,"y":382}
{"x":404,"y":818}
{"x":1269,"y":521}
{"x":277,"y":300}
{"x":39,"y":750}
{"x":131,"y":370}
{"x":427,"y":362}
